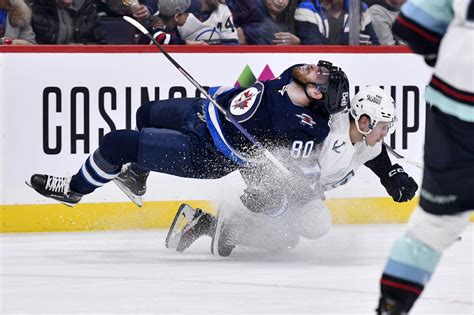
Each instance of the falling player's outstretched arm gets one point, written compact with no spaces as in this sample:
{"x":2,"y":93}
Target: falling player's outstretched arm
{"x":399,"y":185}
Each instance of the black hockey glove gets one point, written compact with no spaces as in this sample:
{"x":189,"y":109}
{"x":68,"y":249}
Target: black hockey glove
{"x":399,"y":185}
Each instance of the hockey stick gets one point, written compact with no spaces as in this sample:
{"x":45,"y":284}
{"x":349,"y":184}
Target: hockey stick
{"x":401,"y":157}
{"x":226,"y":114}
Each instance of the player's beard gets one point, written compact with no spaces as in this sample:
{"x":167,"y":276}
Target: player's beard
{"x":299,"y":75}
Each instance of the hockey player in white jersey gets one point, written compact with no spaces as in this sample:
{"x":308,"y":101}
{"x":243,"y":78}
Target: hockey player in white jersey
{"x":210,"y":21}
{"x":284,"y":209}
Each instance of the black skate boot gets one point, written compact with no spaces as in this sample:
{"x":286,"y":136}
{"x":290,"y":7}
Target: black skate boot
{"x":221,"y":239}
{"x":188,"y":225}
{"x":202,"y":224}
{"x":132,"y":181}
{"x":388,"y":306}
{"x":55,"y":187}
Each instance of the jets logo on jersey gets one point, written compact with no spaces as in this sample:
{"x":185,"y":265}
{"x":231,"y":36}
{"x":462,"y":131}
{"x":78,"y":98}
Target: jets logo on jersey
{"x":244,"y":101}
{"x":306,"y":120}
{"x":336,"y":146}
{"x":244,"y":104}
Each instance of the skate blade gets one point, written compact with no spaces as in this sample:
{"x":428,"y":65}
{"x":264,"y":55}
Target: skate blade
{"x":179,"y":223}
{"x":217,"y":234}
{"x":137,"y":200}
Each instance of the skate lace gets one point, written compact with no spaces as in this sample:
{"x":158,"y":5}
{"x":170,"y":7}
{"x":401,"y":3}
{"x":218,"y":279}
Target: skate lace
{"x":57,"y":184}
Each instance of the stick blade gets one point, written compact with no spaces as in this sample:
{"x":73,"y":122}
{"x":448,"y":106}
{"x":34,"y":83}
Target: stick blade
{"x":137,"y":24}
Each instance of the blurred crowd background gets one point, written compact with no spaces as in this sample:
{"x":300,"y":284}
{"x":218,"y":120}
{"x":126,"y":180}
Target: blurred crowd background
{"x":199,"y":22}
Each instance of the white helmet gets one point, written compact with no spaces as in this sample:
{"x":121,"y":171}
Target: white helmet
{"x":375,"y":103}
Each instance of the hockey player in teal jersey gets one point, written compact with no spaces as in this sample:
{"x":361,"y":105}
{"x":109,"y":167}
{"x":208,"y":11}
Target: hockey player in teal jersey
{"x":442,"y":31}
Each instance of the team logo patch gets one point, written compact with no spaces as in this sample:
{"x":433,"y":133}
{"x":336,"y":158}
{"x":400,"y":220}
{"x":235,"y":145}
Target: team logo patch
{"x":246,"y":103}
{"x":336,"y":146}
{"x":306,"y":120}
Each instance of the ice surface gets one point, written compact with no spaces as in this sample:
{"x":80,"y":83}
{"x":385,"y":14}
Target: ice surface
{"x":130,"y":272}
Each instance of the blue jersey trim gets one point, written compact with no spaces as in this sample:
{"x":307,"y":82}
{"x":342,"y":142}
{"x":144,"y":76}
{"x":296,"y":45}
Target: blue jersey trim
{"x":3,"y":19}
{"x":406,"y":272}
{"x":309,"y":6}
{"x":215,"y":129}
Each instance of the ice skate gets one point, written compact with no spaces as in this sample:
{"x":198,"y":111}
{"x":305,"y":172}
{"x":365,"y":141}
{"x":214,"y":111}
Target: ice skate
{"x":133,"y":183}
{"x":188,"y":225}
{"x":183,"y":216}
{"x":221,"y":239}
{"x":55,"y":187}
{"x":388,"y":306}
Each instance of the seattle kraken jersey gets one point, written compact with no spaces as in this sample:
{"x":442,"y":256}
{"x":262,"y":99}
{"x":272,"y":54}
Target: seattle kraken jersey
{"x":268,"y":114}
{"x":338,"y":158}
{"x":443,"y":29}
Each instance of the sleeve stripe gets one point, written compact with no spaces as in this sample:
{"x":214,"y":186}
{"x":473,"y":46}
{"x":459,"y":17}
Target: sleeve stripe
{"x":408,"y":24}
{"x":452,"y":92}
{"x":400,"y":286}
{"x":162,"y":38}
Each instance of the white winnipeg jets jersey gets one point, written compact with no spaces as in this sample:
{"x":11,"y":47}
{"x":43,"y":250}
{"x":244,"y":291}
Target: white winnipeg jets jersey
{"x":338,"y":158}
{"x":218,"y":27}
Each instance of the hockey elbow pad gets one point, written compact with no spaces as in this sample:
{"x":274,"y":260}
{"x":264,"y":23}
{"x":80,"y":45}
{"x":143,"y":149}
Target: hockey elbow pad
{"x":399,"y":185}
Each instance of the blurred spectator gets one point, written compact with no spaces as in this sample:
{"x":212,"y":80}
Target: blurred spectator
{"x":211,"y":21}
{"x":140,"y":9}
{"x":372,"y":2}
{"x":171,"y":14}
{"x":308,"y":22}
{"x":383,"y":16}
{"x":15,"y":22}
{"x":326,"y":22}
{"x":66,"y":22}
{"x":117,"y":30}
{"x":265,"y":22}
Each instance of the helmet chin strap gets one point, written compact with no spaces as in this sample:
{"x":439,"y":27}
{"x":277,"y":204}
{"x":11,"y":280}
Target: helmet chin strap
{"x":305,"y":85}
{"x":312,"y":100}
{"x":364,"y":140}
{"x":363,"y":133}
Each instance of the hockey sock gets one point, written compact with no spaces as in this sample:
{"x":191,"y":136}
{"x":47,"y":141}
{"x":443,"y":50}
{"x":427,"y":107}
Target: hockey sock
{"x":94,"y":173}
{"x":115,"y":149}
{"x":409,"y":268}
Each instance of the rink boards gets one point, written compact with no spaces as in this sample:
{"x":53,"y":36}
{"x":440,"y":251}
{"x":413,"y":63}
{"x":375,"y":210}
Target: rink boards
{"x":160,"y":214}
{"x":57,"y":102}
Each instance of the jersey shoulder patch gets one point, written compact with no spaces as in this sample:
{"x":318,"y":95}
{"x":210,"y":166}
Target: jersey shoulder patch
{"x":306,"y":120}
{"x":244,"y":105}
